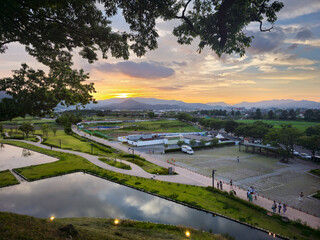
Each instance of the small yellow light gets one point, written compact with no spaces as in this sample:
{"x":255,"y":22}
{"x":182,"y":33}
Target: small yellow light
{"x":269,"y":233}
{"x":52,"y":218}
{"x":116,"y":221}
{"x":187,"y":234}
{"x":274,"y":235}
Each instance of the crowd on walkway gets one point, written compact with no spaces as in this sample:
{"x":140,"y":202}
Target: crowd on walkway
{"x":251,"y":193}
{"x":279,"y":206}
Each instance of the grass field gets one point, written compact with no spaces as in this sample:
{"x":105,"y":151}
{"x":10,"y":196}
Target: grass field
{"x":115,"y":163}
{"x":20,"y":120}
{"x":7,"y":178}
{"x":76,"y":143}
{"x":159,"y":126}
{"x":14,"y":226}
{"x":301,"y":125}
{"x":315,"y":172}
{"x":206,"y":198}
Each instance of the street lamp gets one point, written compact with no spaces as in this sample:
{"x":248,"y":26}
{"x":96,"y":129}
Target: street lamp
{"x":213,"y":170}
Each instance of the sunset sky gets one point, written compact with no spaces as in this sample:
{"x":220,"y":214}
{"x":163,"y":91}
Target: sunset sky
{"x":282,"y":64}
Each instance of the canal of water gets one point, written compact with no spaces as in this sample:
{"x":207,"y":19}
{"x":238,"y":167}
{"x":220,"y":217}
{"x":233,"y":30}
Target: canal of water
{"x":83,"y":195}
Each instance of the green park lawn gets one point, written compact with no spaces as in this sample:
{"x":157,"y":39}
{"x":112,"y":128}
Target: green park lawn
{"x":77,"y":143}
{"x":115,"y":163}
{"x":147,"y":127}
{"x":205,"y":198}
{"x":315,"y":172}
{"x":33,"y":120}
{"x":7,"y":179}
{"x":14,"y":226}
{"x":301,"y":125}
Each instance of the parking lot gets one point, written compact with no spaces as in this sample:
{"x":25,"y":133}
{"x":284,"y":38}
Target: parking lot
{"x":271,"y":178}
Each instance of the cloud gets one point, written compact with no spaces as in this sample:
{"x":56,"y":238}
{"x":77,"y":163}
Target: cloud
{"x":266,"y":42}
{"x":312,"y":43}
{"x":170,"y":88}
{"x":296,"y":8}
{"x":181,"y":64}
{"x":139,"y":70}
{"x":304,"y":34}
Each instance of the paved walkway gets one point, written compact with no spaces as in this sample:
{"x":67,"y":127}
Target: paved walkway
{"x":184,"y":176}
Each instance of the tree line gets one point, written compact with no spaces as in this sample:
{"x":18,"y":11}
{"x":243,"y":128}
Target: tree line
{"x":283,"y":138}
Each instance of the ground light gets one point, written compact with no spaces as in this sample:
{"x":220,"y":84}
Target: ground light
{"x":116,"y":221}
{"x":187,"y":234}
{"x":51,"y":218}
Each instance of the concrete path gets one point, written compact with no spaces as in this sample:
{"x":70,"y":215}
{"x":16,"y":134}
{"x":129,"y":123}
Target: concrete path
{"x":20,"y":179}
{"x":184,"y":176}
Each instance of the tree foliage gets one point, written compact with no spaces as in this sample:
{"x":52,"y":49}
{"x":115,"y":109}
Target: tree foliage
{"x":36,"y":93}
{"x":284,"y":139}
{"x":26,"y":128}
{"x":58,"y":27}
{"x":68,"y":118}
{"x":52,"y":30}
{"x":311,"y":143}
{"x":255,"y":130}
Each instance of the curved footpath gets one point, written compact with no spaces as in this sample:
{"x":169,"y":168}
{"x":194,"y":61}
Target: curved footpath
{"x":184,"y":176}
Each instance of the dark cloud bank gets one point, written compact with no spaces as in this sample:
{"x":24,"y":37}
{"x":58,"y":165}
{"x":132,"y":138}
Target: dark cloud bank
{"x":139,"y":70}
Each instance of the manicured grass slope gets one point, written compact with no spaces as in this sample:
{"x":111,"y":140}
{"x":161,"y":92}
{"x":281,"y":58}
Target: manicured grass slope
{"x":14,"y":226}
{"x":7,"y":179}
{"x":215,"y":201}
{"x":115,"y":163}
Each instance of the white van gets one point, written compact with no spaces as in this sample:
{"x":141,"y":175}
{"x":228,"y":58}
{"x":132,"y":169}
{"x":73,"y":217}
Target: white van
{"x":187,"y":149}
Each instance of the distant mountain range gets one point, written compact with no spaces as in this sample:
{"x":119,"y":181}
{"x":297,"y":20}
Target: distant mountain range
{"x":161,"y":104}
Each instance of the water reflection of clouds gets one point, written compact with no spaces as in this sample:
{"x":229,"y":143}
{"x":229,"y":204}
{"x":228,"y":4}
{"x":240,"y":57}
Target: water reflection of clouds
{"x":82,"y":195}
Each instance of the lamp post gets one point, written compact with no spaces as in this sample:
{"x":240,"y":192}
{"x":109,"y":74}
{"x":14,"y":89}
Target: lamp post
{"x":213,"y":170}
{"x":132,"y":154}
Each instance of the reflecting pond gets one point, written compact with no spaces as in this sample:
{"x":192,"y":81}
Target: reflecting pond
{"x":15,"y":157}
{"x":83,"y":195}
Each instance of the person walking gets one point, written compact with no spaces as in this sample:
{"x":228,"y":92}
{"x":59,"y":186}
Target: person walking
{"x":301,"y":197}
{"x":255,"y":194}
{"x":284,"y":208}
{"x":238,"y":159}
{"x":231,"y":183}
{"x":250,"y":197}
{"x":220,"y":185}
{"x":279,"y":207}
{"x":248,"y":193}
{"x":274,"y":207}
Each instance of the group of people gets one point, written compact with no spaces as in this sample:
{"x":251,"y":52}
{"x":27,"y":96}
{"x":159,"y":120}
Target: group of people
{"x":279,"y":207}
{"x":219,"y":185}
{"x":251,"y":193}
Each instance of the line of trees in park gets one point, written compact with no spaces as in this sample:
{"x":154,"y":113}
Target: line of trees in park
{"x":284,"y":138}
{"x":26,"y":128}
{"x":281,"y":114}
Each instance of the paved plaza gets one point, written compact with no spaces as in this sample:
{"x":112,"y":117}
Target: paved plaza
{"x":271,"y":178}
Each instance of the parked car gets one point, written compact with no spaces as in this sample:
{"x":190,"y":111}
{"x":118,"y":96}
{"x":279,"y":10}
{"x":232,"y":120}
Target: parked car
{"x":295,"y":153}
{"x":305,"y":156}
{"x":186,"y":149}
